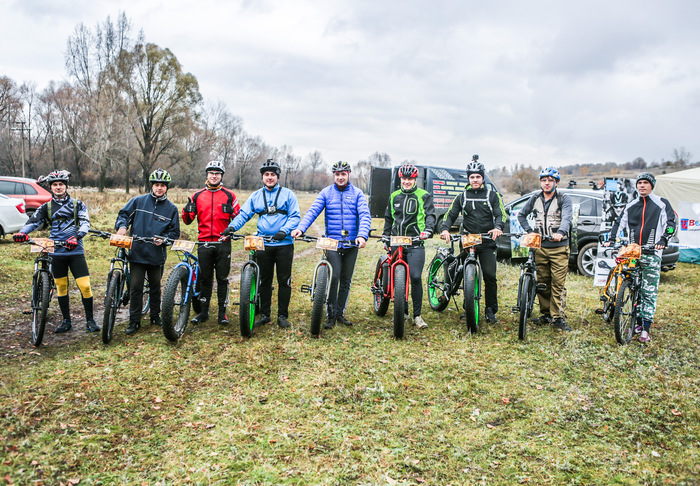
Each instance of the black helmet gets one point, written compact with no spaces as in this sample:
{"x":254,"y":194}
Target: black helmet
{"x":55,"y":176}
{"x":215,"y":166}
{"x":160,"y":175}
{"x":646,"y":176}
{"x":476,"y":167}
{"x":270,"y":166}
{"x":340,"y":166}
{"x":409,"y":171}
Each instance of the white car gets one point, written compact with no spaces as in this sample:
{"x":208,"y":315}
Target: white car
{"x":12,"y":215}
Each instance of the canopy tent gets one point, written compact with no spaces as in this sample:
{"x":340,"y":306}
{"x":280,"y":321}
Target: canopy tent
{"x":682,"y":189}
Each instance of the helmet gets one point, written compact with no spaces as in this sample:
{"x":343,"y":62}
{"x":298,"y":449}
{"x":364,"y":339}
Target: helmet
{"x":55,"y":176}
{"x":340,"y":166}
{"x":270,"y":166}
{"x":646,"y":176}
{"x":160,"y":175}
{"x":408,"y":170}
{"x":475,"y":167}
{"x":215,"y":166}
{"x":550,"y":172}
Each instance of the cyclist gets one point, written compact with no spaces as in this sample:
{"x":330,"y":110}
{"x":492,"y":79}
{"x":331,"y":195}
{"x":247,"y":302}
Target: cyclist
{"x":347,"y":217}
{"x":278,"y":215}
{"x":410,"y":212}
{"x":68,"y":221}
{"x":214,"y":207}
{"x":482,"y":212}
{"x":552,"y":212}
{"x":648,"y":220}
{"x":149,"y":215}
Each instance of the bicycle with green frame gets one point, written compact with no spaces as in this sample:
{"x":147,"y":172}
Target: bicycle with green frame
{"x":249,"y":300}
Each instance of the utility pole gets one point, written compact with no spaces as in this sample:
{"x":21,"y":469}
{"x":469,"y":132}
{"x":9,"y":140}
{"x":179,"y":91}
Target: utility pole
{"x":22,"y":130}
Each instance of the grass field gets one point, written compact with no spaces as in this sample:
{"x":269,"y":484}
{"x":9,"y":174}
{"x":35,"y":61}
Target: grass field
{"x":355,"y":406}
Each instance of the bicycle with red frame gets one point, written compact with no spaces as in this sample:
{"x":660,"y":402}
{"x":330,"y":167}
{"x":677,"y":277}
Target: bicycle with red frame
{"x":391,"y":282}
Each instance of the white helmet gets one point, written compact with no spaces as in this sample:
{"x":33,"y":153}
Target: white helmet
{"x":215,"y":166}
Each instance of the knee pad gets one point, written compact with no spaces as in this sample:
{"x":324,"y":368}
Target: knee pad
{"x":61,"y":286}
{"x":84,"y":286}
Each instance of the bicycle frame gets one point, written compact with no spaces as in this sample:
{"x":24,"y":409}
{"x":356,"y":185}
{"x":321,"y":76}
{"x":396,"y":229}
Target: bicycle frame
{"x":528,"y":267}
{"x":396,"y":258}
{"x":192,"y":264}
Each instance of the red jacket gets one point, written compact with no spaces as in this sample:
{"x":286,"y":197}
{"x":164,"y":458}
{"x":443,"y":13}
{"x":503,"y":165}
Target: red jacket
{"x":215,"y":210}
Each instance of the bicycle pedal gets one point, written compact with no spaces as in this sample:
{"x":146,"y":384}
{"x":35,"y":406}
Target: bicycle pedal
{"x":604,"y":298}
{"x":515,"y":308}
{"x":442,"y":299}
{"x":541,"y":287}
{"x":306,"y":289}
{"x":599,"y":312}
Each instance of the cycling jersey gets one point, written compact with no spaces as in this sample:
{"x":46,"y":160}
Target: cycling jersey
{"x":215,"y":210}
{"x":69,"y":217}
{"x":647,"y":220}
{"x":409,"y":213}
{"x":277,"y":209}
{"x":482,"y":210}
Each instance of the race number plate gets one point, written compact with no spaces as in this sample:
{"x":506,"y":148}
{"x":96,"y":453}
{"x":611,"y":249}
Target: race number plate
{"x":532,"y":240}
{"x":254,"y":243}
{"x":183,"y":245}
{"x":400,"y":241}
{"x":42,"y":244}
{"x":327,"y":244}
{"x":470,"y":240}
{"x":122,"y":241}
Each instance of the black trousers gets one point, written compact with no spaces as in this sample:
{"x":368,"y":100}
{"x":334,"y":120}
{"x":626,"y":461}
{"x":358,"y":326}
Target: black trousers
{"x":343,"y":265}
{"x":214,"y":258}
{"x":138,"y":273}
{"x":487,"y":259}
{"x":415,"y":257}
{"x":279,"y":257}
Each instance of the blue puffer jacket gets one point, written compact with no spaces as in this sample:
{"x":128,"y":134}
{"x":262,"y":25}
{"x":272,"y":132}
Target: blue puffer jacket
{"x":147,"y":217}
{"x":346,"y":210}
{"x":271,"y":224}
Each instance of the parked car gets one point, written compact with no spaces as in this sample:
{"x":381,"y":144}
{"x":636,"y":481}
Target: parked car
{"x":12,"y":215}
{"x":26,"y":189}
{"x":590,"y":222}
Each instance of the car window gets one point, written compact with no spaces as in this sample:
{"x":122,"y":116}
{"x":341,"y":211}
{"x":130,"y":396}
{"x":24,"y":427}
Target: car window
{"x":588,"y":206}
{"x":29,"y":190}
{"x":7,"y":187}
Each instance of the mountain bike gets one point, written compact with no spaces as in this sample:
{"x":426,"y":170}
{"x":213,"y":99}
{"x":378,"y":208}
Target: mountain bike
{"x":612,"y":285}
{"x":321,"y":283}
{"x":527,"y":283}
{"x":119,"y":280}
{"x":180,"y":292}
{"x":249,"y":300}
{"x":391,"y":281}
{"x":448,"y":275}
{"x":43,"y":285}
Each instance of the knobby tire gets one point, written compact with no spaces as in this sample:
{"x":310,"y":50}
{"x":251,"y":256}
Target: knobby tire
{"x":471,"y":297}
{"x":176,"y":311}
{"x":437,"y":278}
{"x":526,"y":295}
{"x":41,"y":294}
{"x":319,"y":300}
{"x":625,"y":317}
{"x":247,"y":301}
{"x":111,"y":306}
{"x":399,"y":300}
{"x":380,"y":301}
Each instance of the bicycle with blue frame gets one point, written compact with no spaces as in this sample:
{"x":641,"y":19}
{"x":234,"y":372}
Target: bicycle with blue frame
{"x":119,"y":280}
{"x":249,"y":299}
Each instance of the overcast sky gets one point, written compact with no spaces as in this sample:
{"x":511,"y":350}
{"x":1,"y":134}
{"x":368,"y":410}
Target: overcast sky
{"x":529,"y":82}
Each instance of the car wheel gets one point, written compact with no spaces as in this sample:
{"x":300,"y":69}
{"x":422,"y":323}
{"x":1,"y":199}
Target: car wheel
{"x":586,"y":259}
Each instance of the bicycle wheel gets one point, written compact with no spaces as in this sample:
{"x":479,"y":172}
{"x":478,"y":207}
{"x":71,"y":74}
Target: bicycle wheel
{"x":41,"y":294}
{"x":111,"y":305}
{"x":146,"y":296}
{"x":247,"y":303}
{"x":381,"y":288}
{"x":176,"y":308}
{"x":399,"y":300}
{"x":624,"y":318}
{"x":319,"y":300}
{"x":611,"y":294}
{"x":471,"y":297}
{"x":525,"y":304}
{"x":438,"y":298}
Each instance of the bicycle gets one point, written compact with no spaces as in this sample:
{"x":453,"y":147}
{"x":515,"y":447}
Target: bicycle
{"x":527,"y":283}
{"x":43,"y":284}
{"x":119,"y":280}
{"x":448,"y":275}
{"x":391,"y":281}
{"x":322,"y":276}
{"x":612,"y":286}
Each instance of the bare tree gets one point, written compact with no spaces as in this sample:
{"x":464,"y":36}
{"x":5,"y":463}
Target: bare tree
{"x":681,"y":157}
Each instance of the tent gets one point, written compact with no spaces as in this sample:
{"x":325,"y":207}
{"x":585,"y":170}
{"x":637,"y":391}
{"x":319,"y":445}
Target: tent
{"x":682,"y":189}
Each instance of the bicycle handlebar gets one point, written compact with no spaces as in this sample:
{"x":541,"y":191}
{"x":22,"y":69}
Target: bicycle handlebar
{"x":144,"y":239}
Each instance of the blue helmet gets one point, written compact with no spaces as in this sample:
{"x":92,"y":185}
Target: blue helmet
{"x":550,"y":172}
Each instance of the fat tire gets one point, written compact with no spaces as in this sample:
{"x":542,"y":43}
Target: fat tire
{"x":380,"y":301}
{"x":624,"y":318}
{"x":399,"y":301}
{"x":174,"y":325}
{"x":471,"y":297}
{"x":111,"y":305}
{"x":247,"y":301}
{"x":525,"y":306}
{"x":41,"y":294}
{"x":319,"y":300}
{"x":437,"y":275}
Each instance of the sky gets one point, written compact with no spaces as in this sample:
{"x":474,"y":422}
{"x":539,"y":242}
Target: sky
{"x":519,"y":82}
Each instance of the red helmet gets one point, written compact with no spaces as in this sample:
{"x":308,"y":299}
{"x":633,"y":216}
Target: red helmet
{"x":408,"y":170}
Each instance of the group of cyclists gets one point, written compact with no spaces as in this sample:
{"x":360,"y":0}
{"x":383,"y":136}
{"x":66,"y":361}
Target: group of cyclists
{"x":410,"y":212}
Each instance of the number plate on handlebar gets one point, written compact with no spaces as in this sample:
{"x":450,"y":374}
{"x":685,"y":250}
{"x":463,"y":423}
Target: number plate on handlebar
{"x":122,"y":241}
{"x":254,"y":243}
{"x":42,"y":244}
{"x":327,"y":244}
{"x":183,"y":245}
{"x":631,"y":251}
{"x":532,"y":240}
{"x":470,"y":240}
{"x":400,"y":241}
